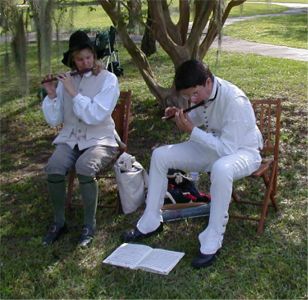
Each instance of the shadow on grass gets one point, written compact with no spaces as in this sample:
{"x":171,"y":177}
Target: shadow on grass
{"x":30,"y":270}
{"x":269,"y":266}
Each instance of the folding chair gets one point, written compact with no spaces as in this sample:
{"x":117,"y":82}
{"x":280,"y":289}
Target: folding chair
{"x":121,"y":116}
{"x":268,"y":114}
{"x":104,"y":43}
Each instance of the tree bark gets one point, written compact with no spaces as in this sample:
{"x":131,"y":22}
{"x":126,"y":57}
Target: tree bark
{"x":173,"y":38}
{"x":42,"y":15}
{"x":19,"y":47}
{"x":148,"y":43}
{"x":134,"y":16}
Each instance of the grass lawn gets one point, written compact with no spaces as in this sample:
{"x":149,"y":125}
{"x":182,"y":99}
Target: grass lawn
{"x":88,"y":17}
{"x":281,"y":1}
{"x":273,"y":265}
{"x":251,"y":9}
{"x":289,"y":30}
{"x":99,"y":19}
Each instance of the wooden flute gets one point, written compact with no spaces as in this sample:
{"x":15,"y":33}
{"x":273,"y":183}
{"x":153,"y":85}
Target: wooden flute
{"x":72,"y":73}
{"x":186,"y":110}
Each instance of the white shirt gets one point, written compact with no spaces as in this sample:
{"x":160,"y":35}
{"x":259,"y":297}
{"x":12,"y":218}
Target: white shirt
{"x":87,"y":116}
{"x":228,"y":119}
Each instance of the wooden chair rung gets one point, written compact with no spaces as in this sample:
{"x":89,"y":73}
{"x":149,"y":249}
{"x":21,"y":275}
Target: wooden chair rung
{"x":268,"y":113}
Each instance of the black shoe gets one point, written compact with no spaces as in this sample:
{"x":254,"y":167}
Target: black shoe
{"x":204,"y":260}
{"x":135,"y":235}
{"x":54,"y":232}
{"x":87,"y":236}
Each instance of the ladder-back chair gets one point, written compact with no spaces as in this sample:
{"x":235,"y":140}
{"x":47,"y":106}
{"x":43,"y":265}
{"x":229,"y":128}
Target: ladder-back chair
{"x":268,"y":114}
{"x":121,"y":116}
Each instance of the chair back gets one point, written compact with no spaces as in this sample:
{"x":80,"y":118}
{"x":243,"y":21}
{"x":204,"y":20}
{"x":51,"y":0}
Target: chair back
{"x":121,"y":115}
{"x":268,"y":114}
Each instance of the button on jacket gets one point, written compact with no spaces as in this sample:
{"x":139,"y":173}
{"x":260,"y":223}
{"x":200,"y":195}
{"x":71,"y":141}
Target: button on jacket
{"x":238,"y":129}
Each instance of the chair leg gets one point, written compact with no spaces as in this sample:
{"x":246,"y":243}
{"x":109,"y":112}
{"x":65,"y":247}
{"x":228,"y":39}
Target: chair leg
{"x":274,"y":190}
{"x":263,"y":213}
{"x":235,"y":196}
{"x":70,"y":188}
{"x":266,"y":201}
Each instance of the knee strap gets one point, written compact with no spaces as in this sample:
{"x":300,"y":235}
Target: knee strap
{"x":85,"y":179}
{"x":55,"y":178}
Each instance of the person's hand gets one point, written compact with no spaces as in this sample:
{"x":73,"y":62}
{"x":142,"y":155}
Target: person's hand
{"x":170,"y":111}
{"x":66,"y":79}
{"x":183,"y":122}
{"x":50,"y":86}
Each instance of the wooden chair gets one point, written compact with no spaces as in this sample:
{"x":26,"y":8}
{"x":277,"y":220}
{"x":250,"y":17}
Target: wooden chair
{"x":121,"y":116}
{"x":268,"y":114}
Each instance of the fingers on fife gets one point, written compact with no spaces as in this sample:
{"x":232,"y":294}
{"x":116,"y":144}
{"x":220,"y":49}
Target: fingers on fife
{"x":181,"y":119}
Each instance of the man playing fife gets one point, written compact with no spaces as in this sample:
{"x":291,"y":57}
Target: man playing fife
{"x":227,"y":147}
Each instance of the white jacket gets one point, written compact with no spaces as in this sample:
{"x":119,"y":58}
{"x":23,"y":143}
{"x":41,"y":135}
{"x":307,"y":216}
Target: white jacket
{"x":228,"y":119}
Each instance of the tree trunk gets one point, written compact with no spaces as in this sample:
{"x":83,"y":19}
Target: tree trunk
{"x":134,"y":16}
{"x":19,"y":49}
{"x":176,"y":41}
{"x":42,"y":15}
{"x":148,"y":43}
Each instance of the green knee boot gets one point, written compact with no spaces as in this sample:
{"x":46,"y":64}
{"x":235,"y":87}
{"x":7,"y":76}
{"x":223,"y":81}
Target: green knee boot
{"x":56,"y":190}
{"x":89,"y":194}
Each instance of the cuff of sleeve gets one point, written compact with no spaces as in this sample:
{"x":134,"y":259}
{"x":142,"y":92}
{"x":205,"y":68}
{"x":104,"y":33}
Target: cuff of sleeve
{"x":198,"y":135}
{"x":77,"y":97}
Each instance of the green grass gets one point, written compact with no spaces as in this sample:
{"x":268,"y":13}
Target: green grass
{"x":100,"y":20}
{"x":89,"y":17}
{"x":247,"y":9}
{"x":285,"y":1}
{"x":273,"y":265}
{"x":289,"y":30}
{"x":251,"y":9}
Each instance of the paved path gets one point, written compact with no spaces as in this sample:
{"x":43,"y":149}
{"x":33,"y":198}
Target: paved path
{"x":237,"y":45}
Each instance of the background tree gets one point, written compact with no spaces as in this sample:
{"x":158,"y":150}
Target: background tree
{"x":14,"y":15}
{"x":134,"y":16}
{"x":42,"y":11}
{"x":5,"y":30}
{"x":180,"y":40}
{"x":148,"y":43}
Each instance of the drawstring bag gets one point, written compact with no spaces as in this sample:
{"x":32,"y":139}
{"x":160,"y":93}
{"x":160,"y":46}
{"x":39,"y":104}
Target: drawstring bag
{"x":132,"y":181}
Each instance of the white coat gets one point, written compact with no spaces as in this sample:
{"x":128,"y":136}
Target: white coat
{"x":227,"y":146}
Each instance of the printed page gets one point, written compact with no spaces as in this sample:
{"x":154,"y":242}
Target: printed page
{"x":128,"y":255}
{"x":160,"y":261}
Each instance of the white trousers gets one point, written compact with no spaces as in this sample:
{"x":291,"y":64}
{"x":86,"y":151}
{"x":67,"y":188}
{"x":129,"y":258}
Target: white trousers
{"x":192,"y":156}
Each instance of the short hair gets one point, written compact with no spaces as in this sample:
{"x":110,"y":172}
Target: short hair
{"x":97,"y":66}
{"x":191,"y":73}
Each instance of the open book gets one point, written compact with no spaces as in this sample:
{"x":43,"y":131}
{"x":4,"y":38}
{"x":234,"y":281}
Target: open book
{"x":137,"y":256}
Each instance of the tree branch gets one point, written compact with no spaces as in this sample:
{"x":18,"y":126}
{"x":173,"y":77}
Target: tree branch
{"x":160,"y":31}
{"x":138,"y":56}
{"x":213,"y":28}
{"x":183,"y":22}
{"x":203,"y":10}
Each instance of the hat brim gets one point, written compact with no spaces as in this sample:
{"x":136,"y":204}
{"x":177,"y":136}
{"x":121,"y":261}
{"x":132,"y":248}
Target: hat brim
{"x":65,"y":59}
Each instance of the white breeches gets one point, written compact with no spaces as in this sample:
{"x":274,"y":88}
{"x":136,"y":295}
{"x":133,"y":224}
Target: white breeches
{"x":192,"y":156}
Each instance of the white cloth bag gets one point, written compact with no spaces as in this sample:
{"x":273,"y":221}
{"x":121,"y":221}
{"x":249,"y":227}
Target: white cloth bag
{"x":132,"y":181}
